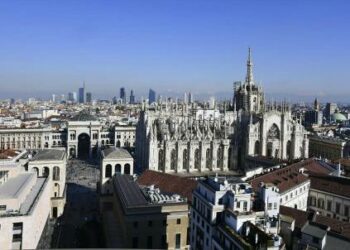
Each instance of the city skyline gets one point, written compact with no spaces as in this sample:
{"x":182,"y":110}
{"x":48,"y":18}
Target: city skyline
{"x":198,"y":47}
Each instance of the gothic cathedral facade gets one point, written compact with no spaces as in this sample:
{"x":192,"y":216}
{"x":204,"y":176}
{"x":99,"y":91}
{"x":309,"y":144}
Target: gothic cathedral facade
{"x":187,"y":137}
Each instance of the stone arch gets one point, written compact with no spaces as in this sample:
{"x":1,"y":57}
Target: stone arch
{"x":257,"y":148}
{"x":84,"y":146}
{"x":274,"y":132}
{"x":173,"y":160}
{"x":72,"y":152}
{"x":273,"y":142}
{"x":185,"y":164}
{"x":118,"y":169}
{"x":56,"y":173}
{"x":289,"y":150}
{"x":208,"y":158}
{"x":161,"y":162}
{"x":220,"y":157}
{"x":127,"y":168}
{"x":197,"y":159}
{"x":108,"y":172}
{"x":36,"y":170}
{"x":46,"y":171}
{"x":230,"y":156}
{"x":269,"y":150}
{"x":56,"y":190}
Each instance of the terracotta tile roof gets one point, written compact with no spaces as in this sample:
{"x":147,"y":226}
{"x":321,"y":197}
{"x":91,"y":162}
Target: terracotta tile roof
{"x":331,"y":184}
{"x":168,"y":183}
{"x":345,"y":163}
{"x":301,"y":217}
{"x":339,"y":227}
{"x":287,"y":177}
{"x":6,"y":153}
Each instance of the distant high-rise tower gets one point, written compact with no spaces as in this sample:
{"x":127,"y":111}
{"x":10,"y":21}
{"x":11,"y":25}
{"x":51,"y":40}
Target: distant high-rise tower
{"x":122,"y":95}
{"x":190,"y":98}
{"x":330,"y":110}
{"x":316,"y":105}
{"x":88,"y":97}
{"x":132,"y":97}
{"x":70,"y":97}
{"x":151,"y":96}
{"x":82,"y":94}
{"x":54,"y":99}
{"x":75,"y":97}
{"x":185,"y":97}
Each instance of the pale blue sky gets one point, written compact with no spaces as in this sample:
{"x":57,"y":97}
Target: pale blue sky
{"x":300,"y":48}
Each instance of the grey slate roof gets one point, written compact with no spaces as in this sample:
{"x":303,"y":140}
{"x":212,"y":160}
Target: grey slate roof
{"x":115,"y":153}
{"x":129,"y":191}
{"x":49,"y":155}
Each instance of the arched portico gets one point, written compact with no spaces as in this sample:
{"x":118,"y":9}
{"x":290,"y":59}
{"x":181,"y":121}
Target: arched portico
{"x":84,"y":146}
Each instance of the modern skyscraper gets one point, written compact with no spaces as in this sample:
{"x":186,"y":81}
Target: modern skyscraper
{"x":82,"y":94}
{"x":190,"y":98}
{"x":75,"y":98}
{"x":132,"y":97}
{"x":122,"y":95}
{"x":151,"y":96}
{"x":330,"y":110}
{"x":88,"y":97}
{"x":54,"y":98}
{"x":70,"y":97}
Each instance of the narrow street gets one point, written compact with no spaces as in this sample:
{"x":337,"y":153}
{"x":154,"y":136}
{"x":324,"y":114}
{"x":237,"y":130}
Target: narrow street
{"x":79,"y":226}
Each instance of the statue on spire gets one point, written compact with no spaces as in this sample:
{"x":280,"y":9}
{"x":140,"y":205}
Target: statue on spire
{"x":249,"y":78}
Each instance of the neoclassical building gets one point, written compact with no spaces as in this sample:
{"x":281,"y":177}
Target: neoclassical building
{"x":173,"y":137}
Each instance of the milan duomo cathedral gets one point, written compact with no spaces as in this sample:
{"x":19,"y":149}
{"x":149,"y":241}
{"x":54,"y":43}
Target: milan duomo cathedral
{"x":177,"y":137}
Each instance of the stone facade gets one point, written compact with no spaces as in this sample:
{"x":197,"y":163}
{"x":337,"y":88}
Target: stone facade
{"x":181,"y":138}
{"x":173,"y":137}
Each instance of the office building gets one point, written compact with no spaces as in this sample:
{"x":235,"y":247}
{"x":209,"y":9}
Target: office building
{"x":32,"y":190}
{"x":148,"y":219}
{"x":70,"y":97}
{"x":88,"y":97}
{"x":82,"y":94}
{"x":151,"y":96}
{"x":122,"y":95}
{"x":330,"y":110}
{"x":132,"y":97}
{"x":222,"y":217}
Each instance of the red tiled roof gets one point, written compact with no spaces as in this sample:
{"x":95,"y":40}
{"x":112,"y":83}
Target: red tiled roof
{"x":168,"y":183}
{"x":301,"y":217}
{"x":5,"y":153}
{"x":288,"y":177}
{"x":331,"y":184}
{"x":337,"y":226}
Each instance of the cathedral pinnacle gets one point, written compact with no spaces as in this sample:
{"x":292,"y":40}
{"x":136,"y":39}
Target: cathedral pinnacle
{"x":249,"y":78}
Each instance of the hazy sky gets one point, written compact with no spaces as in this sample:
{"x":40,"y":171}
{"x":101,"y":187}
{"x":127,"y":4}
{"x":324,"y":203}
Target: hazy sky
{"x":300,"y":48}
